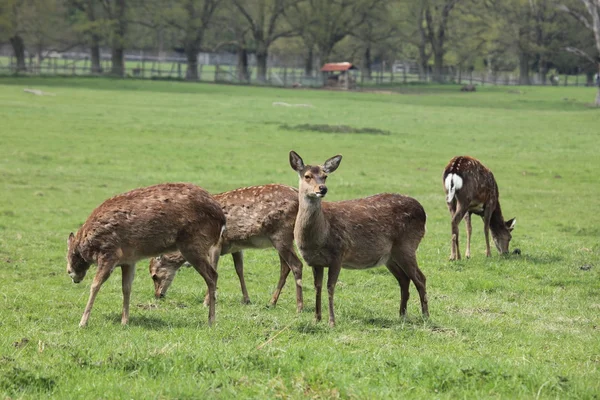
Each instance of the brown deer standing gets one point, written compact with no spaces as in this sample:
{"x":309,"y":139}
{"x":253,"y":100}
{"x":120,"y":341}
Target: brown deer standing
{"x":471,"y":189}
{"x":144,"y":223}
{"x":357,"y":234}
{"x":258,"y":217}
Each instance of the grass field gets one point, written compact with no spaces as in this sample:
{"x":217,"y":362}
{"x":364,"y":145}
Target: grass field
{"x":502,"y":327}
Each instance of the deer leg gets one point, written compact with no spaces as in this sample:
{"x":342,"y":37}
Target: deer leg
{"x":318,"y":275}
{"x":284,"y":271}
{"x":404,"y":282}
{"x":128,"y":273}
{"x":332,"y":277}
{"x":238,"y":262}
{"x":456,"y":218}
{"x":215,"y":254}
{"x":407,"y":260}
{"x":469,"y":230}
{"x":487,"y":216}
{"x":291,"y":261}
{"x":200,"y":262}
{"x":105,"y":268}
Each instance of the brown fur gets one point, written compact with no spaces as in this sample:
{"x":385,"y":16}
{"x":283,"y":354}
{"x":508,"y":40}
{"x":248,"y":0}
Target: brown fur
{"x":143,"y":223}
{"x":257,"y":217}
{"x":357,"y":234}
{"x":478,"y":195}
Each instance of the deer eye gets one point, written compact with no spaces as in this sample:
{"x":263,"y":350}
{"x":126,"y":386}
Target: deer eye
{"x":307,"y":177}
{"x":324,"y":178}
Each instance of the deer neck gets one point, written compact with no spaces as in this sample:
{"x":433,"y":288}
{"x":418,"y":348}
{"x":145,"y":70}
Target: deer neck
{"x":311,"y":225}
{"x":497,"y":220}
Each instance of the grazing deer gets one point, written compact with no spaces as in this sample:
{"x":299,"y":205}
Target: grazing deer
{"x":258,"y":217}
{"x":357,"y":234}
{"x":144,"y":223}
{"x":471,"y":189}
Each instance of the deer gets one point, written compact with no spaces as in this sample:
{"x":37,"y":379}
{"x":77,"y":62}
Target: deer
{"x":143,"y":223}
{"x":383,"y":229}
{"x":258,"y":217}
{"x":470,"y":188}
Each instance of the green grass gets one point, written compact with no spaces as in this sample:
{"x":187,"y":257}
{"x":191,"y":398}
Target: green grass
{"x":501,"y":327}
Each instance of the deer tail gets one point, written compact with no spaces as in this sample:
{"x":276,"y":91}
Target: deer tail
{"x":453,"y":182}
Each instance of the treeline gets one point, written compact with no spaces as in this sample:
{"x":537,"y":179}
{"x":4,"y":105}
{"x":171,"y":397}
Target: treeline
{"x":528,"y":36}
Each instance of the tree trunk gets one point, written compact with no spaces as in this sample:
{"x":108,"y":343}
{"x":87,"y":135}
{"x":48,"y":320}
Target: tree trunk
{"x":19,"y":50}
{"x":261,"y":65}
{"x":543,"y":71}
{"x":118,"y":42}
{"x":367,"y":62}
{"x":598,"y":85}
{"x":191,"y":54}
{"x":242,"y":64}
{"x":524,"y":69}
{"x":96,"y":67}
{"x":308,"y":62}
{"x":118,"y":61}
{"x":438,"y":66}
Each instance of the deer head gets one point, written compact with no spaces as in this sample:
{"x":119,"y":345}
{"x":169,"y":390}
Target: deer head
{"x":502,"y":235}
{"x":163,"y":270}
{"x":312,"y":178}
{"x":77,"y":267}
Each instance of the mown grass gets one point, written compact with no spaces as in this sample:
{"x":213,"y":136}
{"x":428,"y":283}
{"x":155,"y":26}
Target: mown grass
{"x":510,"y":327}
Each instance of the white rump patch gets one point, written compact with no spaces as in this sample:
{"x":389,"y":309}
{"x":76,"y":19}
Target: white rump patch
{"x":452,"y":183}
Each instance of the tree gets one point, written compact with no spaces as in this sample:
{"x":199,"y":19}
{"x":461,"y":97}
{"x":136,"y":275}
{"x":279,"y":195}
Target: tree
{"x":591,"y":22}
{"x":91,"y":25}
{"x":437,"y":14}
{"x":327,"y":22}
{"x":191,"y":19}
{"x":116,"y":14}
{"x":43,"y":27}
{"x":265,"y":25}
{"x":377,"y":27}
{"x":10,"y":27}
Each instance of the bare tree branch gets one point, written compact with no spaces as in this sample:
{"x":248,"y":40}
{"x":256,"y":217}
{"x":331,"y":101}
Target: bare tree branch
{"x":576,"y":15}
{"x":580,"y":53}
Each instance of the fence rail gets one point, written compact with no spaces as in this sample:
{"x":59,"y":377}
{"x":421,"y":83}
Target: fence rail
{"x":175,"y":68}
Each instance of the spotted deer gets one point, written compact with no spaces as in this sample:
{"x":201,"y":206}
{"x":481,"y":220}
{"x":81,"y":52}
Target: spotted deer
{"x":470,"y":188}
{"x":144,"y":223}
{"x":258,"y":217}
{"x":356,"y":234}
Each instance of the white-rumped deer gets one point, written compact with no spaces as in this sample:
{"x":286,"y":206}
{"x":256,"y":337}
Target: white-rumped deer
{"x":258,"y":217}
{"x":357,"y":234}
{"x":144,"y":223}
{"x":470,"y":188}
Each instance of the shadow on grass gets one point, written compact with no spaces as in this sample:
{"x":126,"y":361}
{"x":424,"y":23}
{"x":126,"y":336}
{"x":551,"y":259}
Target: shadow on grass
{"x":539,"y":258}
{"x":158,"y":323}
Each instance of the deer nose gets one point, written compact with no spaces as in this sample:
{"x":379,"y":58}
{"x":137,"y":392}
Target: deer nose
{"x":323,"y":189}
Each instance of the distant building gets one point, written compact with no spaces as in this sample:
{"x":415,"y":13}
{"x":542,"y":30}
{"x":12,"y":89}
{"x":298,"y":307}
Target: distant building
{"x":339,"y":75}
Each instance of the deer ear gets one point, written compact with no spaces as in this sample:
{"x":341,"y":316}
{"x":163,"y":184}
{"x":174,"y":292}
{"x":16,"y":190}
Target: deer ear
{"x":510,"y":224}
{"x":70,"y":239}
{"x":332,"y":164}
{"x":296,"y":161}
